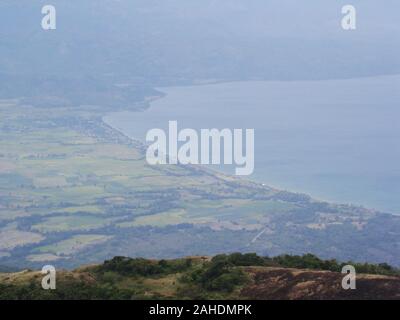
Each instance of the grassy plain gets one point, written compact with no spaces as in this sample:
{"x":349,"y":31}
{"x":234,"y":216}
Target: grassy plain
{"x":74,"y":190}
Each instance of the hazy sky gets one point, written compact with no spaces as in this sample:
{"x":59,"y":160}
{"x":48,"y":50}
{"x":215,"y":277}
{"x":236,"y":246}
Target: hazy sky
{"x":201,"y":39}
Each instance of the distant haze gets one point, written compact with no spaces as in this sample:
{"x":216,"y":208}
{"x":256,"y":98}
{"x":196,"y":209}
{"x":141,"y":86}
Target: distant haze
{"x":172,"y":41}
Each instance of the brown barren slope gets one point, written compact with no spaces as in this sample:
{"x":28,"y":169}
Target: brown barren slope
{"x":295,"y":284}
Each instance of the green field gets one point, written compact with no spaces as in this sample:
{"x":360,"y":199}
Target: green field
{"x":74,"y":190}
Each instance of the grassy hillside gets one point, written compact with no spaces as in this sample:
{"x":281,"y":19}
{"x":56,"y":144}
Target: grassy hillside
{"x":235,"y":276}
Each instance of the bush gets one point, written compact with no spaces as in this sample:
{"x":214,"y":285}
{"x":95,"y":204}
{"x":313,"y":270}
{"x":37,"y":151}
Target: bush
{"x":227,"y":281}
{"x":222,"y":274}
{"x":143,"y":267}
{"x":247,"y":259}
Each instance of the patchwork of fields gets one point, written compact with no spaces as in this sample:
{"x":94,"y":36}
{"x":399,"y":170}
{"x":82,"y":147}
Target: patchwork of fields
{"x":73,"y":191}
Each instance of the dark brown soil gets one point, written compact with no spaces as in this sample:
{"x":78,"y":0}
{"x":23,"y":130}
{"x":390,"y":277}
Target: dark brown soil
{"x":293,"y":284}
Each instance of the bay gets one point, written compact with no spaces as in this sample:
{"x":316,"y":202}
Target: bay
{"x":337,"y":140}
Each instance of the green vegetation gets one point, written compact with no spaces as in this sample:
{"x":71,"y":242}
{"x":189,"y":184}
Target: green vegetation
{"x":73,"y":244}
{"x":143,"y":267}
{"x":221,"y":274}
{"x":67,"y":290}
{"x":221,"y":277}
{"x":310,"y":261}
{"x":64,"y":174}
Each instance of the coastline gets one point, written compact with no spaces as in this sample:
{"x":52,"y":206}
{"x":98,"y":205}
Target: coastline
{"x":261,"y":180}
{"x":141,"y":145}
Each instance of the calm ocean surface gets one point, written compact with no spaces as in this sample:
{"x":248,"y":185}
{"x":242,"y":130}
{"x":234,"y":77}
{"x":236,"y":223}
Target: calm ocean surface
{"x":335,"y":140}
